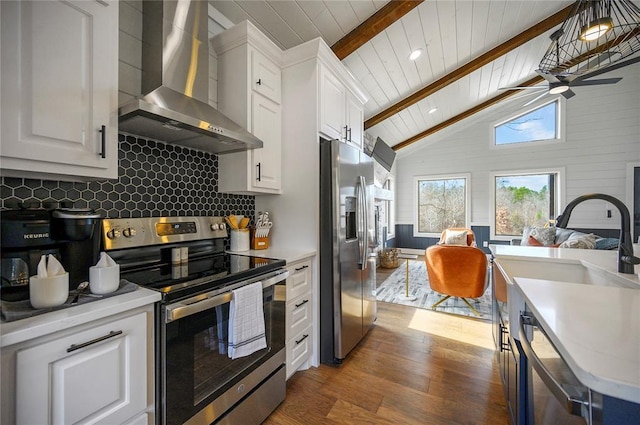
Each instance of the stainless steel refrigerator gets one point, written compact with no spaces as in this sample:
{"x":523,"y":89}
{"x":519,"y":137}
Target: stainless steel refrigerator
{"x":347,"y":249}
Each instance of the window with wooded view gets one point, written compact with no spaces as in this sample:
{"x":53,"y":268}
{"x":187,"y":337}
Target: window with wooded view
{"x":442,"y":203}
{"x":524,"y":200}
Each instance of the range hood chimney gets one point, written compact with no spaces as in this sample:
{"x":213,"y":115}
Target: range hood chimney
{"x":175,"y":83}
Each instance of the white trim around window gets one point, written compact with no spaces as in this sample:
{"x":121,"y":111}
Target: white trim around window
{"x":390,"y":185}
{"x":560,"y":126}
{"x":559,"y":201}
{"x":467,"y":200}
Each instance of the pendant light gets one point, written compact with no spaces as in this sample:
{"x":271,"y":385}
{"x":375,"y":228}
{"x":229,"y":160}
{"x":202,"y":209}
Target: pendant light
{"x":596,"y":34}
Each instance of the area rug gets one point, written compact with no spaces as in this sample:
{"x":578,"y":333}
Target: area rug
{"x":394,"y":287}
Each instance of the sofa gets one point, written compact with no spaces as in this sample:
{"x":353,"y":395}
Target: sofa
{"x":558,"y":237}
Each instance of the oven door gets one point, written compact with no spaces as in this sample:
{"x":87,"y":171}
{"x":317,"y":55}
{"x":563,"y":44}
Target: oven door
{"x":199,"y":382}
{"x":554,"y":394}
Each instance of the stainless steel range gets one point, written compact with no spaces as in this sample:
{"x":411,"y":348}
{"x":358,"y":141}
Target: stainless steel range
{"x":184,"y":259}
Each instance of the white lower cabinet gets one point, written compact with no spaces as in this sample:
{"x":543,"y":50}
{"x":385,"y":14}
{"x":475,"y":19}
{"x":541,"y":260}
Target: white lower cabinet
{"x":299,"y":319}
{"x":299,"y":350}
{"x":97,"y":373}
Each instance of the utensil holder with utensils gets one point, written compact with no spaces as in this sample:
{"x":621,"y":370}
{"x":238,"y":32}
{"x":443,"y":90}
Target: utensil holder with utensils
{"x":239,"y":240}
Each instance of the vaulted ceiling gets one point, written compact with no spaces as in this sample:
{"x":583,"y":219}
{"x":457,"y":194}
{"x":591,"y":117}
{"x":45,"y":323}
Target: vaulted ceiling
{"x":471,"y":48}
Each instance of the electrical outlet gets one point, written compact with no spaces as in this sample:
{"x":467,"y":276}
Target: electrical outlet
{"x":607,"y":208}
{"x":485,"y":244}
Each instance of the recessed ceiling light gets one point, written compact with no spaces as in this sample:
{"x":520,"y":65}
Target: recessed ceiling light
{"x":432,"y":110}
{"x":415,"y":54}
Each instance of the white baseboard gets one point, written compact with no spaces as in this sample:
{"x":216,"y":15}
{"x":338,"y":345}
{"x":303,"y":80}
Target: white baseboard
{"x":414,"y":251}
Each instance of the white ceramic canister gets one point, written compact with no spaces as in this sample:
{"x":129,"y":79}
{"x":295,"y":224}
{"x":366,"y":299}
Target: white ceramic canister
{"x":48,"y":291}
{"x":239,"y":240}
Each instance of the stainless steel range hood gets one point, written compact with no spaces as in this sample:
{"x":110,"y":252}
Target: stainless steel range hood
{"x":175,"y":83}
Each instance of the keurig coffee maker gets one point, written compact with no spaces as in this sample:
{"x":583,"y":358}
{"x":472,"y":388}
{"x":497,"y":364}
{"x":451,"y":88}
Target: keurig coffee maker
{"x":70,"y":234}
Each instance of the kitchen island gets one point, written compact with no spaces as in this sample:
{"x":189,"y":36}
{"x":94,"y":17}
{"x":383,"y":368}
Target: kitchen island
{"x":589,"y":311}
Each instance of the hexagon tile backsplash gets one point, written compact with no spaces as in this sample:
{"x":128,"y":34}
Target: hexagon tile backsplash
{"x":155,"y":179}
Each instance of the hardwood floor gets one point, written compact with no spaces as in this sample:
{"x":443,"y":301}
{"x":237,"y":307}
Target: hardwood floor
{"x":414,"y":367}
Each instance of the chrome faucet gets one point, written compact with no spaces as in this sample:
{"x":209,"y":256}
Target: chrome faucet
{"x":626,"y":260}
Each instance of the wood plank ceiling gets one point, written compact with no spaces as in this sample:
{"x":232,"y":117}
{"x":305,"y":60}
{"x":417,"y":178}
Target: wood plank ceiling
{"x":451,"y":34}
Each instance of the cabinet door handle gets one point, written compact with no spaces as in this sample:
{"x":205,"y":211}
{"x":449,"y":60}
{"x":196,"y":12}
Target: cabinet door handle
{"x":103,"y":137}
{"x":259,"y":172}
{"x":302,"y":303}
{"x":259,"y":82}
{"x":345,"y":132}
{"x":301,"y":268}
{"x":305,"y":336}
{"x":349,"y":131}
{"x":74,"y":347}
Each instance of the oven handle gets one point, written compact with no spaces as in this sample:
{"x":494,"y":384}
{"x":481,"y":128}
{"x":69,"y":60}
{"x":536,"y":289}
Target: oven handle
{"x":573,"y":398}
{"x":188,"y":307}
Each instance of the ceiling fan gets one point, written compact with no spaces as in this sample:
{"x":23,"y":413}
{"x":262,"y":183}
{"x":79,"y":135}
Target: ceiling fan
{"x":562,"y":84}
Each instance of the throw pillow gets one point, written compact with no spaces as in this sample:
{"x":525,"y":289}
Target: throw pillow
{"x":580,"y":242}
{"x":455,"y":237}
{"x":534,"y":242}
{"x":545,"y":235}
{"x":607,"y":243}
{"x":564,"y":234}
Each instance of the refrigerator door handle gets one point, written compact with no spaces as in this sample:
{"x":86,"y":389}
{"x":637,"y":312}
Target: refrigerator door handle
{"x":364,"y":223}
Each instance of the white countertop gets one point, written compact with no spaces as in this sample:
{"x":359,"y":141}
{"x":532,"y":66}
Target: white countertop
{"x":595,"y":328}
{"x":290,"y":255}
{"x":44,"y":324}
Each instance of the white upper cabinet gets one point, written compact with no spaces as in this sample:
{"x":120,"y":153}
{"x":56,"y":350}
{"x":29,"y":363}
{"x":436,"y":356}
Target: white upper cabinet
{"x":341,"y":112}
{"x":333,"y":95}
{"x":266,"y":77}
{"x":250,"y":93}
{"x":267,"y":163}
{"x":355,"y":121}
{"x":59,"y":88}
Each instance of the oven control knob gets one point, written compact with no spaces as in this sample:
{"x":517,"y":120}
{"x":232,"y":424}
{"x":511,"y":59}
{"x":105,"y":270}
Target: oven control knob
{"x":129,"y":232}
{"x":214,"y":227}
{"x":113,"y":233}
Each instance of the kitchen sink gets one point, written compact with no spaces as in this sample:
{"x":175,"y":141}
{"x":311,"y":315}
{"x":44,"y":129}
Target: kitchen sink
{"x":575,"y":272}
{"x":562,"y":271}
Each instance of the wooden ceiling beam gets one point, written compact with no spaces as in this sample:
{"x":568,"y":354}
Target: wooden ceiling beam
{"x":465,"y":114}
{"x":599,"y":49}
{"x":475,"y":64}
{"x":373,"y":26}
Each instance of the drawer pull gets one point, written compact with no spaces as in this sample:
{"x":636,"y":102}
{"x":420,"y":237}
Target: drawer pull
{"x":305,"y":336}
{"x":75,"y":347}
{"x":302,"y":268}
{"x":302,"y":303}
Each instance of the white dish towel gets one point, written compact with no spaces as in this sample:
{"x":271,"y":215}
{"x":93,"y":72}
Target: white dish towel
{"x":246,"y":321}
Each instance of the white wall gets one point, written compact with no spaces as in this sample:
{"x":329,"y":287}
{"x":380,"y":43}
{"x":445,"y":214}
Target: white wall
{"x":602,"y":137}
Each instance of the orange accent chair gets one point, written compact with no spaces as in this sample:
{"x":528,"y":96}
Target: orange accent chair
{"x":457,"y":270}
